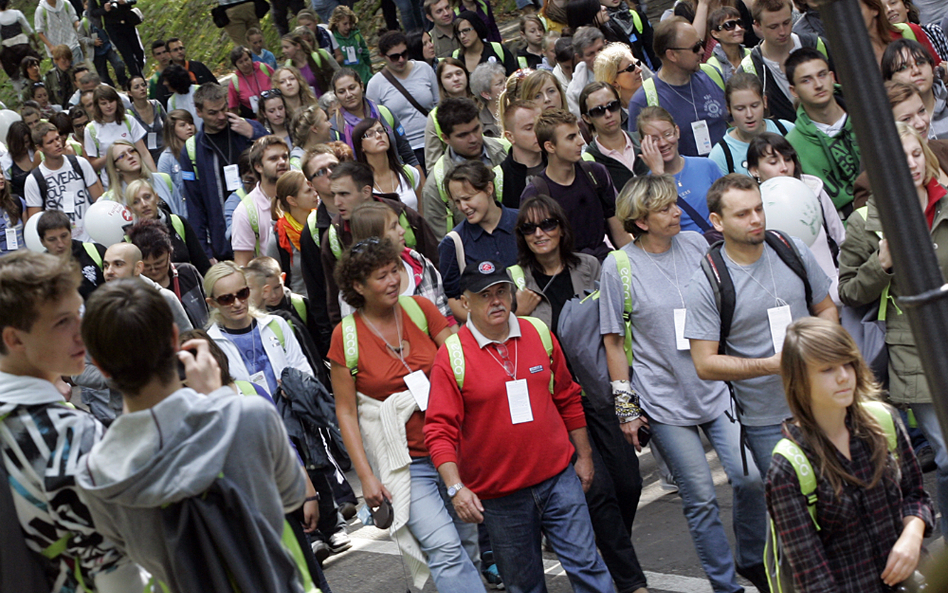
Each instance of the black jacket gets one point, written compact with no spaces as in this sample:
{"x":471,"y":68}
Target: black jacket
{"x":305,"y":330}
{"x":190,"y":291}
{"x":515,"y":180}
{"x":187,"y":250}
{"x":118,"y":16}
{"x":617,"y":170}
{"x":91,"y":269}
{"x":311,"y":265}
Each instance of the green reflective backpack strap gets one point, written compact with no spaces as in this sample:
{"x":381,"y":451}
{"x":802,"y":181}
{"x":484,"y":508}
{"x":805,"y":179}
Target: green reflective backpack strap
{"x":235,"y":82}
{"x":624,"y":268}
{"x":292,"y":547}
{"x":714,"y":74}
{"x":178,"y":225}
{"x":334,"y":244}
{"x":438,"y":175}
{"x":805,"y":474}
{"x":499,"y":183}
{"x":456,"y":54}
{"x":350,"y":343}
{"x":410,"y":240}
{"x":651,"y":93}
{"x":904,"y":29}
{"x":167,"y":179}
{"x":191,"y":146}
{"x":93,"y":253}
{"x":516,"y":274}
{"x":637,"y":21}
{"x":247,"y":201}
{"x":437,"y":126}
{"x":585,"y":156}
{"x":245,"y":387}
{"x":386,"y":114}
{"x":313,"y":229}
{"x":747,"y":65}
{"x":95,"y":136}
{"x":414,"y":312}
{"x":299,"y":305}
{"x":882,"y":415}
{"x":55,"y":549}
{"x":274,"y":326}
{"x":522,"y":62}
{"x":455,"y":358}
{"x":547,"y":339}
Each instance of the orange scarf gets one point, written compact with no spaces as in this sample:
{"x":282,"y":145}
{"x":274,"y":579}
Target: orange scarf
{"x":288,"y":233}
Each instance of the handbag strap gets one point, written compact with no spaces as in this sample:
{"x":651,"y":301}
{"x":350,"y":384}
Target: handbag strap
{"x":398,"y":86}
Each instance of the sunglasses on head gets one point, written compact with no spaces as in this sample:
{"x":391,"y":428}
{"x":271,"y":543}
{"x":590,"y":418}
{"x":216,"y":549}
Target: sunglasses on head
{"x":546,"y":225}
{"x":365,"y":244}
{"x":226,"y":300}
{"x":697,"y":48}
{"x":269,"y":94}
{"x":635,"y":65}
{"x":729,"y":25}
{"x":397,"y":57}
{"x":612,"y":107}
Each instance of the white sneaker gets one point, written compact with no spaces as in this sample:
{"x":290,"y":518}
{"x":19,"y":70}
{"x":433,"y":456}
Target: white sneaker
{"x":339,"y":542}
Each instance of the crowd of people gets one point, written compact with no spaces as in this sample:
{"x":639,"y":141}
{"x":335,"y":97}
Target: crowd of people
{"x":315,"y":251}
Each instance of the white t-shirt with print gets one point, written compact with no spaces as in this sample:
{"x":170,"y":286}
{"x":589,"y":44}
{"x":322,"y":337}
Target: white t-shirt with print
{"x":67,"y":190}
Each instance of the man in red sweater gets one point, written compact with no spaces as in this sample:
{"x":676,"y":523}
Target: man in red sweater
{"x":500,"y":435}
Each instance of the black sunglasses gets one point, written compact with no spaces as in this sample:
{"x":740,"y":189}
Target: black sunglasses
{"x":226,"y":300}
{"x":729,"y":25}
{"x":269,"y":94}
{"x":635,"y":65}
{"x":546,"y":225}
{"x":697,"y":48}
{"x":612,"y":107}
{"x":398,"y":56}
{"x":322,"y":171}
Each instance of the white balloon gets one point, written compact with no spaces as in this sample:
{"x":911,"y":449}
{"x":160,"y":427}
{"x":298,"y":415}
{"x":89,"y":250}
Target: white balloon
{"x":7,"y":117}
{"x":105,"y":221}
{"x":792,"y":207}
{"x":31,"y":235}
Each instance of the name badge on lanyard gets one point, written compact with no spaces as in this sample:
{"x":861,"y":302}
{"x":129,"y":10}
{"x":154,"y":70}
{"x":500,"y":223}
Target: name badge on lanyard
{"x":518,"y":398}
{"x":779,"y":320}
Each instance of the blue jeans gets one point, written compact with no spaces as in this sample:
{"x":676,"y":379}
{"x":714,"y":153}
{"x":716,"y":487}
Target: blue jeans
{"x":761,"y":441}
{"x":683,"y":452}
{"x":324,"y":9}
{"x":410,"y":11}
{"x":449,"y":543}
{"x":558,"y":508}
{"x":928,"y":421}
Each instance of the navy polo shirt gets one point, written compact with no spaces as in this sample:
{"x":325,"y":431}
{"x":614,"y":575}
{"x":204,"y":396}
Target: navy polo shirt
{"x":499,"y":246}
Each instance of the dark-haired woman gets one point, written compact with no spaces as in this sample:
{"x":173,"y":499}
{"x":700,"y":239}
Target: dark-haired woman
{"x":371,"y":393}
{"x":272,"y":113}
{"x":12,"y":217}
{"x":29,"y":74}
{"x":472,"y":34}
{"x":250,"y":80}
{"x":907,"y":61}
{"x":149,"y":113}
{"x":22,"y":158}
{"x":392,"y":178}
{"x":871,"y":511}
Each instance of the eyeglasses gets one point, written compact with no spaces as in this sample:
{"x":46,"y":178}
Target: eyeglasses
{"x":122,"y":156}
{"x":612,"y":107}
{"x":666,"y":135}
{"x":398,"y":57}
{"x":546,"y":225}
{"x":465,"y":31}
{"x":697,"y":48}
{"x":365,"y":244}
{"x":322,"y":171}
{"x":269,"y":94}
{"x":635,"y":65}
{"x":374,"y":133}
{"x":226,"y":300}
{"x":729,"y":25}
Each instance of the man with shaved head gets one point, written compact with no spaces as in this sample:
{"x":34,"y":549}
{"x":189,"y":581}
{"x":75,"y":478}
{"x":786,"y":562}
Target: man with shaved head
{"x":124,"y":260}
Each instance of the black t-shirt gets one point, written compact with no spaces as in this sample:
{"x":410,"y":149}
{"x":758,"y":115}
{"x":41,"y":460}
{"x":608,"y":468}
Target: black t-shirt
{"x":558,"y":291}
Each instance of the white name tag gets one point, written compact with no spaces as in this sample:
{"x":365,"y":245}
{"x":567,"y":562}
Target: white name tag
{"x":779,"y":320}
{"x":702,"y":136}
{"x":69,"y":202}
{"x":518,"y":398}
{"x":12,"y":243}
{"x":680,"y":341}
{"x":254,"y":102}
{"x":260,"y":379}
{"x":152,"y":141}
{"x":232,"y":177}
{"x":419,"y":386}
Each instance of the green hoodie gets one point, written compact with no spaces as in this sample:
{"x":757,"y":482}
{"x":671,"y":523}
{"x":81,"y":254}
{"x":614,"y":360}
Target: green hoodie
{"x":835,"y":161}
{"x":355,"y":53}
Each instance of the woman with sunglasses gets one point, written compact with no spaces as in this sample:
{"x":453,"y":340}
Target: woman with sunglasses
{"x":906,"y":61}
{"x":747,"y":105}
{"x":316,"y":66}
{"x":601,"y":109}
{"x":125,"y":164}
{"x":179,"y":126}
{"x":354,"y":107}
{"x":258,"y":346}
{"x":726,"y":27}
{"x":673,"y":402}
{"x":616,"y":65}
{"x":309,"y":128}
{"x":694,"y":175}
{"x":296,"y":93}
{"x":472,"y":33}
{"x":250,"y":80}
{"x":144,"y":202}
{"x":272,"y":113}
{"x":392,"y":178}
{"x":375,"y":390}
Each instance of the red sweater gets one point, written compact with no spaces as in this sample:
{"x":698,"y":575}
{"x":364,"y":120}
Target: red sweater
{"x":473,"y":428}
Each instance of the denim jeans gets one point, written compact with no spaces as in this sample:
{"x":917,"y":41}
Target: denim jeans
{"x":928,"y":421}
{"x":449,"y":543}
{"x":761,"y":441}
{"x":324,"y":9}
{"x":558,"y":508}
{"x":410,"y":11}
{"x":683,"y":452}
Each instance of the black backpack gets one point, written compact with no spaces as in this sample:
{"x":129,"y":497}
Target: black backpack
{"x":41,"y":181}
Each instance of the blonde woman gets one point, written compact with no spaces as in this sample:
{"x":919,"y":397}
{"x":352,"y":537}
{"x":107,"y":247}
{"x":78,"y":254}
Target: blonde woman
{"x":125,"y":163}
{"x":309,"y":128}
{"x":258,"y":346}
{"x":296,"y":92}
{"x":617,"y":66}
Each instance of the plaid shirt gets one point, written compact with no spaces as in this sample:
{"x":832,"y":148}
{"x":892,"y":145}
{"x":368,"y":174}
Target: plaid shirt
{"x":857,"y":530}
{"x":937,"y":36}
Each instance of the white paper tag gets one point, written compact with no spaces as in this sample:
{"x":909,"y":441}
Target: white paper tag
{"x":254,"y":102}
{"x":702,"y":136}
{"x":779,"y":320}
{"x":260,"y":379}
{"x":152,"y":141}
{"x":419,"y":386}
{"x":12,"y":243}
{"x":231,"y":177}
{"x":680,"y":340}
{"x":518,"y":397}
{"x":69,"y":202}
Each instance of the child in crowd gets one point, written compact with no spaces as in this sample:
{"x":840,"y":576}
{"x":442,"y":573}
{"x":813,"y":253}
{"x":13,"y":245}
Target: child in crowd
{"x":257,"y":51}
{"x":355,"y":51}
{"x":532,"y":31}
{"x":320,"y":33}
{"x":548,"y":45}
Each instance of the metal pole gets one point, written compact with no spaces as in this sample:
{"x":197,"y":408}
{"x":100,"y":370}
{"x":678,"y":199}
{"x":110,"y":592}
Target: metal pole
{"x":913,"y":256}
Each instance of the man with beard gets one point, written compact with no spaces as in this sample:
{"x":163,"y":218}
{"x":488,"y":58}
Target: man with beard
{"x":250,"y":226}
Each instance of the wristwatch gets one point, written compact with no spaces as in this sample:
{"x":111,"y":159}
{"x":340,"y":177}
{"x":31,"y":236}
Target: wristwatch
{"x":453,"y":490}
